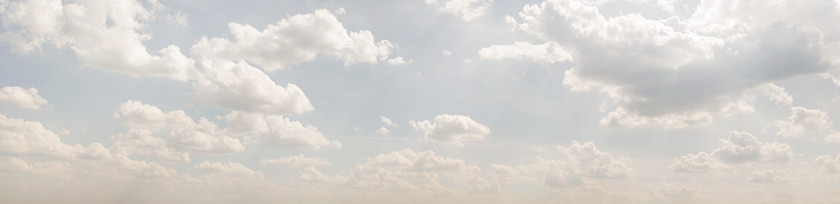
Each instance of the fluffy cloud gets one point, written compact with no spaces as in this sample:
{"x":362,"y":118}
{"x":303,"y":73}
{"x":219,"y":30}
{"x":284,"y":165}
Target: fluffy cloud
{"x":142,"y":142}
{"x":306,"y":166}
{"x":104,"y":34}
{"x":27,"y":138}
{"x":802,"y":120}
{"x":768,"y":176}
{"x":466,"y":9}
{"x":239,"y":86}
{"x":672,"y":70}
{"x":412,"y":171}
{"x":700,"y":162}
{"x":277,"y":130}
{"x":298,"y":38}
{"x":583,"y":160}
{"x":541,"y":53}
{"x":109,"y":35}
{"x":297,"y":161}
{"x":383,"y":131}
{"x":829,"y":165}
{"x":451,"y":129}
{"x":574,"y":165}
{"x":20,"y":97}
{"x":182,"y":131}
{"x":387,"y":121}
{"x":741,"y":147}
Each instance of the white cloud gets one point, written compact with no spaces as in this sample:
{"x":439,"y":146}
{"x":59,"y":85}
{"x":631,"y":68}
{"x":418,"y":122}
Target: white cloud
{"x":143,"y":142}
{"x":451,"y":129}
{"x":589,"y":161}
{"x":20,"y":97}
{"x":768,"y":176}
{"x":829,"y":165}
{"x":104,"y":34}
{"x":399,"y":61}
{"x":548,"y":52}
{"x":466,"y":9}
{"x":239,"y":86}
{"x":183,"y":133}
{"x":109,"y":35}
{"x":306,"y":166}
{"x":297,"y":161}
{"x":680,"y":68}
{"x":574,"y":165}
{"x":446,"y":53}
{"x":383,"y":131}
{"x":801,"y":121}
{"x":407,"y":170}
{"x":740,"y":148}
{"x":277,"y":130}
{"x":298,"y":38}
{"x":700,"y":162}
{"x":20,"y":137}
{"x":387,"y":121}
{"x":743,"y":147}
{"x":833,"y":137}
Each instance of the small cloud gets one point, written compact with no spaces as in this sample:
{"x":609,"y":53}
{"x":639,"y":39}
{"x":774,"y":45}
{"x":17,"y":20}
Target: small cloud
{"x":383,"y":131}
{"x":399,"y":61}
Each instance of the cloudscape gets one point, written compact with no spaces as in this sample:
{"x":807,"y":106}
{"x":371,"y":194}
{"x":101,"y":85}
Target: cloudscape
{"x":419,"y":101}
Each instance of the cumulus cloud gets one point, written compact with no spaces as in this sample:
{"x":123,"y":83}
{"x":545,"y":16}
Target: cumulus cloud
{"x":741,"y":147}
{"x":700,"y":162}
{"x":570,"y":166}
{"x":181,"y":130}
{"x":768,"y":176}
{"x":592,"y":162}
{"x":277,"y":130}
{"x":387,"y":121}
{"x":830,"y":165}
{"x":239,"y":86}
{"x":28,"y":138}
{"x":801,"y":121}
{"x":408,"y":170}
{"x":298,"y":38}
{"x":20,"y":97}
{"x":383,"y":131}
{"x":104,"y":34}
{"x":466,"y":9}
{"x":549,"y":52}
{"x":670,"y":70}
{"x":142,"y":142}
{"x":306,"y":166}
{"x":109,"y":35}
{"x":451,"y":129}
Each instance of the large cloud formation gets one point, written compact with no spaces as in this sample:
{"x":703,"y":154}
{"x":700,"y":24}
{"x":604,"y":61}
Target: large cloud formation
{"x":677,"y":72}
{"x":109,"y":35}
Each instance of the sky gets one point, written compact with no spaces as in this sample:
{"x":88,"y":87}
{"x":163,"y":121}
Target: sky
{"x":419,"y":101}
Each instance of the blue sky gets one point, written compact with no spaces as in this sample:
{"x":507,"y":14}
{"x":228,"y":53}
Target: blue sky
{"x":451,"y":101}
